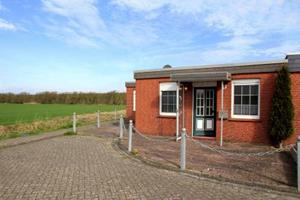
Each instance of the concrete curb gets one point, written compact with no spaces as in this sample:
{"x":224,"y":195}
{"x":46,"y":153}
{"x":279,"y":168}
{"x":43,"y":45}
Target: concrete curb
{"x":36,"y":138}
{"x":31,"y":139}
{"x":290,"y":191}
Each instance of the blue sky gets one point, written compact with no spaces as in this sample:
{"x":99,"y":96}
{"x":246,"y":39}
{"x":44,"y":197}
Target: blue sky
{"x":95,"y":45}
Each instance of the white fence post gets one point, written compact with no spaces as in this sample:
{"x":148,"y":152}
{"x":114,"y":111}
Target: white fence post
{"x":98,"y":119}
{"x":121,"y":126}
{"x":130,"y":136}
{"x":74,"y":122}
{"x":115,"y":113}
{"x":298,"y":162}
{"x":183,"y":149}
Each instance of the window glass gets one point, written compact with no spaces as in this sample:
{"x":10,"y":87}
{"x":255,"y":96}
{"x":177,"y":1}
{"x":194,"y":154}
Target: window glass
{"x":168,"y":103}
{"x":245,"y":98}
{"x":237,"y":100}
{"x":237,"y":90}
{"x":254,"y":89}
{"x":245,"y":89}
{"x":254,"y":100}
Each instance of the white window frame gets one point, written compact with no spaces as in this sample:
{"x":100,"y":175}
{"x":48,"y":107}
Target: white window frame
{"x":134,"y":100}
{"x":166,"y":86}
{"x":245,"y":82}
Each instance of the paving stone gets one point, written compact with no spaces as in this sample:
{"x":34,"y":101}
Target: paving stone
{"x":86,"y":167}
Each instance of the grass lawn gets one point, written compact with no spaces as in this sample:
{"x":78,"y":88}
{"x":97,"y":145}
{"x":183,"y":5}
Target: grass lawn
{"x":21,"y":113}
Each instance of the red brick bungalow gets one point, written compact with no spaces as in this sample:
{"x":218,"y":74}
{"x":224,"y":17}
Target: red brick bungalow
{"x":163,"y":101}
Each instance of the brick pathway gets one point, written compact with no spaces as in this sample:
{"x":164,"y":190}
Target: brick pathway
{"x":86,"y":167}
{"x":277,"y":170}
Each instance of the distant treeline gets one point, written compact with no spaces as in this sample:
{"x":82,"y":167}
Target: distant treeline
{"x":64,"y":98}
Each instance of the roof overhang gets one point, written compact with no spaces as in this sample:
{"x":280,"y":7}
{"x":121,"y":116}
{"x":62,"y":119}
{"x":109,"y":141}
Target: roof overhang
{"x":294,"y":54}
{"x":129,"y":84}
{"x":237,"y":68}
{"x":201,"y":77}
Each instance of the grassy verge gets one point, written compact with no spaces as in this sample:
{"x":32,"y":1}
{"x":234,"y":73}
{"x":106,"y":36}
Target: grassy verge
{"x":11,"y":114}
{"x":40,"y":126}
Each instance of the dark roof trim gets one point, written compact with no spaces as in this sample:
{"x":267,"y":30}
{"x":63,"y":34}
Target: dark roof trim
{"x":240,"y":68}
{"x":205,"y":76}
{"x":294,"y":54}
{"x":129,"y":84}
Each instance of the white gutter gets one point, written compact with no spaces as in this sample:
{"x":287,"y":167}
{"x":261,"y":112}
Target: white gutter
{"x":177,"y":111}
{"x":183,"y":122}
{"x":222,"y":113}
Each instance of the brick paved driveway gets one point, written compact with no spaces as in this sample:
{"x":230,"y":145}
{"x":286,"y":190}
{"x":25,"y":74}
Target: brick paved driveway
{"x":86,"y":167}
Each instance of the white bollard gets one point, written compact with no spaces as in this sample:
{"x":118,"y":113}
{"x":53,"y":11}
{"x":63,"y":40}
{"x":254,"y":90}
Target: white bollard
{"x":130,"y":136}
{"x":74,"y":122}
{"x":115,"y":114}
{"x":183,"y":149}
{"x":298,"y":162}
{"x":98,"y":119}
{"x":121,"y":126}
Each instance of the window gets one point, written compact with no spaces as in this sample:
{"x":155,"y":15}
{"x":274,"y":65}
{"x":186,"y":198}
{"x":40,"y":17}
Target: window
{"x":134,"y":100}
{"x":168,"y":103}
{"x":245,"y":99}
{"x":168,"y":99}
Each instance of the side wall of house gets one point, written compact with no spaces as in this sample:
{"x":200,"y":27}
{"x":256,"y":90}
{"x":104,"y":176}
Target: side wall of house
{"x":148,"y":120}
{"x":130,"y":114}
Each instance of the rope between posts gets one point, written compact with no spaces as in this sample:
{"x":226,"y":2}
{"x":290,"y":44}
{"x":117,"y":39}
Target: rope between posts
{"x":153,"y":139}
{"x":214,"y":149}
{"x":257,"y":154}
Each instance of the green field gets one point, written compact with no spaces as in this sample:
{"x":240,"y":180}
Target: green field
{"x":21,"y":113}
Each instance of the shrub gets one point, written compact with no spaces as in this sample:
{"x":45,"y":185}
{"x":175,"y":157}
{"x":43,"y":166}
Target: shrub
{"x":282,"y":112}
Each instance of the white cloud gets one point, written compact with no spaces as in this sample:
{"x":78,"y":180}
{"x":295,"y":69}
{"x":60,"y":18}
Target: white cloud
{"x":142,"y":5}
{"x":283,"y":48}
{"x":254,"y":17}
{"x":68,"y":35}
{"x":237,"y":17}
{"x":79,"y":22}
{"x":133,"y":34}
{"x":5,"y":25}
{"x":244,"y":25}
{"x":179,"y":6}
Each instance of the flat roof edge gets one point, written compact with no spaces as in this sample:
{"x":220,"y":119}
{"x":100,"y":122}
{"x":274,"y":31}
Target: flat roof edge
{"x":130,"y":84}
{"x":204,"y":76}
{"x":237,"y":68}
{"x":216,"y":65}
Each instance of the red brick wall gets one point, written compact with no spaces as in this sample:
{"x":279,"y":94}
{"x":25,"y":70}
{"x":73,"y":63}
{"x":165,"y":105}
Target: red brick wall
{"x":148,"y":120}
{"x":246,"y":130}
{"x":257,"y":131}
{"x":130,"y":114}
